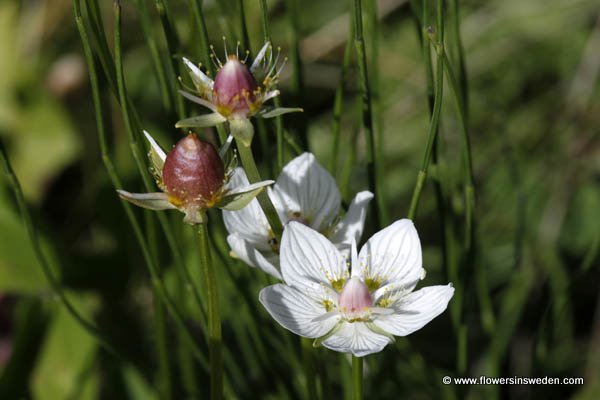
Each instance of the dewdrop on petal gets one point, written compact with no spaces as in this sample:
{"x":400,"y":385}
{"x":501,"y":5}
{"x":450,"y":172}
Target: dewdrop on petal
{"x":193,"y":178}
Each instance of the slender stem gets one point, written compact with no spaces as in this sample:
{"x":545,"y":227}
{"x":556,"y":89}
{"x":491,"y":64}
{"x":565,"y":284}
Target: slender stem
{"x":373,"y":159}
{"x":56,"y":286}
{"x":156,"y":283}
{"x":308,"y":362}
{"x":279,"y":132}
{"x":338,"y":103}
{"x":433,"y":129}
{"x":263,"y":198}
{"x":243,"y":27}
{"x":157,"y":62}
{"x":214,"y":319}
{"x":297,"y":80}
{"x":173,"y":46}
{"x":357,"y":377}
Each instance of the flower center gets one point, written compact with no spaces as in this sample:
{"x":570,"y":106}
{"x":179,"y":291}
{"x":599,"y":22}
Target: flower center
{"x":355,"y":300}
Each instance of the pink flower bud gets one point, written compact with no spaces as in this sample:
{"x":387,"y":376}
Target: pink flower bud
{"x":355,"y":298}
{"x":193,"y":173}
{"x":235,"y":89}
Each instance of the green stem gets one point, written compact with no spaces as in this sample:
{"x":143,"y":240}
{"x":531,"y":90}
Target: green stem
{"x":373,"y":159}
{"x":279,"y":133}
{"x":308,"y":362}
{"x":56,"y":286}
{"x":357,"y":377}
{"x":214,"y":319}
{"x":338,"y":103}
{"x":157,"y":285}
{"x":297,"y":79}
{"x":433,"y":129}
{"x":263,"y":198}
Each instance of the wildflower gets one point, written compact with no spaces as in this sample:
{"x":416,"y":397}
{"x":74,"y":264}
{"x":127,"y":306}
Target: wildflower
{"x":237,"y":93}
{"x":192,"y":178}
{"x":360,"y":310}
{"x":304,"y":192}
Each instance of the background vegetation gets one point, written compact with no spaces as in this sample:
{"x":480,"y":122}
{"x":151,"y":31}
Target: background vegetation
{"x":527,"y":276}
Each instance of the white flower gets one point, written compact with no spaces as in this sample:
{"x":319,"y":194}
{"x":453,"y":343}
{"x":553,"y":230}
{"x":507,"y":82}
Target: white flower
{"x":360,"y":310}
{"x":304,"y":192}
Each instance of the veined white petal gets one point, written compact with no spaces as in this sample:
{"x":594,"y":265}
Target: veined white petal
{"x":393,"y":256}
{"x":295,"y":311}
{"x":239,"y":197}
{"x":415,"y":310}
{"x":308,"y":192}
{"x":200,"y":79}
{"x":199,"y":100}
{"x":248,"y":254}
{"x":357,"y":339}
{"x":157,"y":153}
{"x":278,"y":110}
{"x":250,"y":223}
{"x":260,"y":56}
{"x":269,"y":95}
{"x":310,"y":262}
{"x":351,"y":227}
{"x":201,"y":121}
{"x":151,"y":201}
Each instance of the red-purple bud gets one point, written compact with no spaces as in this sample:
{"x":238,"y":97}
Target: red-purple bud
{"x":193,"y":173}
{"x":234,"y":91}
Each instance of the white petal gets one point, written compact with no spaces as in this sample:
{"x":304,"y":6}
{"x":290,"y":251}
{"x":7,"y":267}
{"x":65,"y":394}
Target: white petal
{"x":250,"y":223}
{"x":393,"y":256}
{"x":155,"y":149}
{"x":415,"y":310}
{"x":198,"y":77}
{"x":351,"y":227}
{"x":306,"y":188}
{"x":198,"y":100}
{"x":277,"y":111}
{"x":254,"y":258}
{"x":357,"y":339}
{"x":201,"y":121}
{"x":260,"y":56}
{"x":151,"y":201}
{"x":238,"y":198}
{"x":295,"y":311}
{"x":310,"y":262}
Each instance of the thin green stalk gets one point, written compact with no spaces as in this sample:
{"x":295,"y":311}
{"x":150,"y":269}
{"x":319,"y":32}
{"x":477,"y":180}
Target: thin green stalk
{"x":243,"y":27}
{"x":173,"y":46}
{"x":32,"y":233}
{"x":373,"y":159}
{"x":338,"y":103}
{"x":357,"y":377}
{"x":297,"y":81}
{"x":308,"y":363}
{"x":249,"y":165}
{"x":156,"y":283}
{"x":279,"y":132}
{"x":214,"y":319}
{"x":157,"y":62}
{"x":433,"y":129}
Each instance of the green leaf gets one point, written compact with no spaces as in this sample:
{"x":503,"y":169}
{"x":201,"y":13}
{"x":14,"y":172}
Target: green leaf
{"x":65,"y":365}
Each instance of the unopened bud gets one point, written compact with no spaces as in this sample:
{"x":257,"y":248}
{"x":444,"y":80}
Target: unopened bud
{"x":235,"y":89}
{"x":193,"y":173}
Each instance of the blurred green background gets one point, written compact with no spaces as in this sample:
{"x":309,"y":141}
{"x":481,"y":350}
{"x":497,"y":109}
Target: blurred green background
{"x":532,"y":305}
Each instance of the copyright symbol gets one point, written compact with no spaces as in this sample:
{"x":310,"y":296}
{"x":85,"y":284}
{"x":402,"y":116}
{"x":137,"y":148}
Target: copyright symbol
{"x":447,"y":380}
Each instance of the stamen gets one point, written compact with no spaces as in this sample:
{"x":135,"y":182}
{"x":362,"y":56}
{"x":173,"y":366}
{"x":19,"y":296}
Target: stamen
{"x":246,"y":58}
{"x":237,"y":50}
{"x":225,"y":47}
{"x":214,"y":56}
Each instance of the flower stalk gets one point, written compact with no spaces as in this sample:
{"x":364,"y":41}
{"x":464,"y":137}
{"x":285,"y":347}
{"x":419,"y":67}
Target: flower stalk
{"x":357,"y":377}
{"x":215,"y":342}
